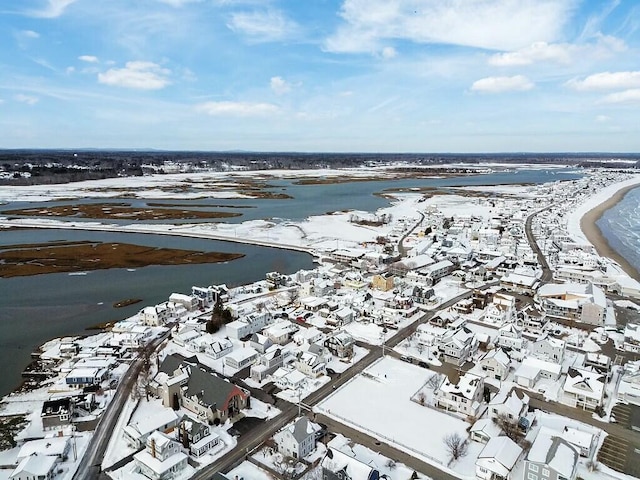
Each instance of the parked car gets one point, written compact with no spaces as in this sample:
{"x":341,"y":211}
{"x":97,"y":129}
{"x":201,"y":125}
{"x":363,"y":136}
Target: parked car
{"x":423,"y":364}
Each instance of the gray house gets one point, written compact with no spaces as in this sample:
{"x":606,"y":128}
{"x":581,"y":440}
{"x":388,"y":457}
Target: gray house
{"x":551,"y":458}
{"x":298,"y":439}
{"x":340,"y":466}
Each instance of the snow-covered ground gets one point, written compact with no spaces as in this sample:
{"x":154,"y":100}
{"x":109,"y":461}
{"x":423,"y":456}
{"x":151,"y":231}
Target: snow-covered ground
{"x":378,"y":402}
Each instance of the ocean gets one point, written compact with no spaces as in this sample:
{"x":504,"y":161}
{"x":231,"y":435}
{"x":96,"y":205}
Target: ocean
{"x":620,"y":225}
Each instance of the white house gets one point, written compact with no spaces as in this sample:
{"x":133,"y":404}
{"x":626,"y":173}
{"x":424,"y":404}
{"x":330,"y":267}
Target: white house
{"x":632,"y":337}
{"x":297,"y":440}
{"x":136,"y":433}
{"x":241,"y":358}
{"x":549,"y":349}
{"x":457,"y":346}
{"x":629,"y":387}
{"x":533,"y":369}
{"x":163,"y":458}
{"x":41,"y":467}
{"x":495,"y":364}
{"x":465,"y":397}
{"x":510,"y":336}
{"x":583,"y":389}
{"x":497,"y":459}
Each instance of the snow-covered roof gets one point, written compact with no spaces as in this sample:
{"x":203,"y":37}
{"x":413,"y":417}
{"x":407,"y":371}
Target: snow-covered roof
{"x":55,"y":446}
{"x":37,"y":465}
{"x":499,"y":455}
{"x":550,"y":449}
{"x":584,"y":382}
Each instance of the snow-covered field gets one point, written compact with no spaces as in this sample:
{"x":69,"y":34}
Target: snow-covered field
{"x":378,"y":402}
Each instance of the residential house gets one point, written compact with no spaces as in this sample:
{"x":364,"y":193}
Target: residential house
{"x":156,"y":315}
{"x":137,"y":433}
{"x":162,"y":459}
{"x":585,"y":303}
{"x":337,"y":465}
{"x":510,"y":406}
{"x":522,"y":280}
{"x":281,"y":332}
{"x":458,"y":346}
{"x":84,"y":377}
{"x":311,"y":362}
{"x":297,"y":440}
{"x":211,"y":398}
{"x":495,"y":364}
{"x":629,"y":386}
{"x":598,"y":362}
{"x":585,"y":442}
{"x":268,"y":363}
{"x":218,"y":348}
{"x":196,"y":436}
{"x":583,"y":389}
{"x":289,"y":379}
{"x":510,"y":337}
{"x":533,"y":370}
{"x":57,"y":447}
{"x":382,"y":281}
{"x":465,"y":397}
{"x":340,"y":344}
{"x":551,"y":458}
{"x":241,"y":358}
{"x":41,"y":467}
{"x":250,"y":324}
{"x":56,"y":414}
{"x":632,"y":337}
{"x":497,"y":459}
{"x":484,"y":430}
{"x":501,"y":310}
{"x":549,"y":349}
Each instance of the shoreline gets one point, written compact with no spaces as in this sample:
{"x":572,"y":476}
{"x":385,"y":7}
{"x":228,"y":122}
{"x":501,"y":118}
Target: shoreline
{"x":596,"y":237}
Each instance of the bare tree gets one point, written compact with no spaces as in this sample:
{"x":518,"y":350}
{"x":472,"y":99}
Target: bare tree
{"x":456,"y":445}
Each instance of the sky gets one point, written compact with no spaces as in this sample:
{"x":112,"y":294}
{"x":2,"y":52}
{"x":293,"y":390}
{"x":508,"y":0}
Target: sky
{"x":321,"y":75}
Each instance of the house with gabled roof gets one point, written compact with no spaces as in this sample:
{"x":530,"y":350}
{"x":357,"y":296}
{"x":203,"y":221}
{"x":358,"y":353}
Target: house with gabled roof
{"x":497,"y":459}
{"x":41,"y":467}
{"x":495,"y":364}
{"x":464,"y":397}
{"x":583,"y":389}
{"x":340,"y":344}
{"x":297,"y":440}
{"x":337,"y":465}
{"x":196,"y":436}
{"x":162,"y":459}
{"x":551,"y":458}
{"x":187,"y":384}
{"x":458,"y":346}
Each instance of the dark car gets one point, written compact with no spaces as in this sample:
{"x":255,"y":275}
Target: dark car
{"x":423,"y":364}
{"x":331,"y":371}
{"x":233,"y":432}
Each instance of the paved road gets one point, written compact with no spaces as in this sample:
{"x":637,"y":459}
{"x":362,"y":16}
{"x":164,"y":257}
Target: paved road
{"x":89,"y":467}
{"x":547,"y":274}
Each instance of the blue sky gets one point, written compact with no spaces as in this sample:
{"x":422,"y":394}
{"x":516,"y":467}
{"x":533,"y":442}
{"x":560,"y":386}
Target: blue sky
{"x":321,"y":75}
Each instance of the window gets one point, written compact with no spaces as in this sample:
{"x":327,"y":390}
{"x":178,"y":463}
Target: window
{"x":545,"y":472}
{"x":533,"y":468}
{"x":532,"y":476}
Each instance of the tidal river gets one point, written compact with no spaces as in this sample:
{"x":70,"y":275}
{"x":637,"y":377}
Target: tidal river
{"x":37,"y":308}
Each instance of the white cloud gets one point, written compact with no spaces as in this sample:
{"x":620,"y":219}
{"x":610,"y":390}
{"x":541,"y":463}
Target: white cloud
{"x":52,"y":9}
{"x":88,"y":58}
{"x":28,"y":99}
{"x":492,"y":24}
{"x":561,"y":53}
{"x":237,"y":109}
{"x":138,"y":75}
{"x":628,"y":96}
{"x":279,"y":85}
{"x":269,"y":26}
{"x":388,"y":53}
{"x":517,"y":83}
{"x":603,"y":118}
{"x":29,"y":34}
{"x":606,"y":81}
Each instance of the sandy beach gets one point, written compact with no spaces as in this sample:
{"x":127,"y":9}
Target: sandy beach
{"x":598,"y":240}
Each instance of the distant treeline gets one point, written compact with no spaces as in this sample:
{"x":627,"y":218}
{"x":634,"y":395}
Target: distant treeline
{"x":25,"y":167}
